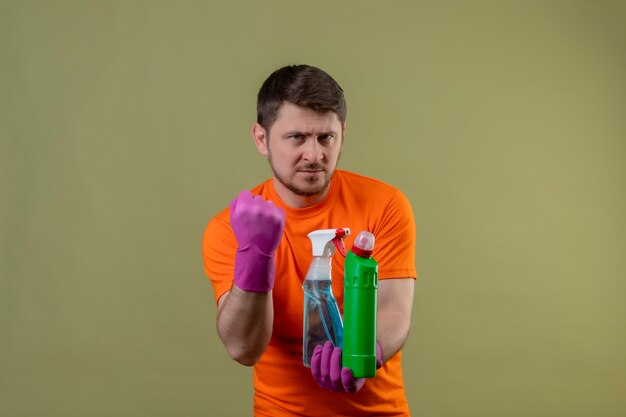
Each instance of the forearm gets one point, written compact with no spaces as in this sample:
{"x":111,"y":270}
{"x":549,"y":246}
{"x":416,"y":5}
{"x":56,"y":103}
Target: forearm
{"x":244,"y":324}
{"x":393,"y":330}
{"x":395,"y":303}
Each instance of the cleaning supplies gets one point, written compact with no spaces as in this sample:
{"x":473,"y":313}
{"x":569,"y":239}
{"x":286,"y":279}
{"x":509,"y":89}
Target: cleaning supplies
{"x":322,"y":320}
{"x":359,"y":308}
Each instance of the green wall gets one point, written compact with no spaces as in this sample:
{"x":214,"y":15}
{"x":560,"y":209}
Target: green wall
{"x":125,"y":125}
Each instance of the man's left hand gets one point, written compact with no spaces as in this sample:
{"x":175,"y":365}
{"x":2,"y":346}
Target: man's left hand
{"x":330,"y":375}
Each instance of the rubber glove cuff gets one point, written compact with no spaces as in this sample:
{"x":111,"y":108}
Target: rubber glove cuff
{"x":379,"y":355}
{"x":254,"y":270}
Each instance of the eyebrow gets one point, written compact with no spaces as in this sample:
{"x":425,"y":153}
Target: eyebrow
{"x":303,"y":133}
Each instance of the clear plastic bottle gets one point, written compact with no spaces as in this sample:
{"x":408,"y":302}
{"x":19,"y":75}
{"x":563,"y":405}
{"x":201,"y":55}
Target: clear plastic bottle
{"x":322,"y":319}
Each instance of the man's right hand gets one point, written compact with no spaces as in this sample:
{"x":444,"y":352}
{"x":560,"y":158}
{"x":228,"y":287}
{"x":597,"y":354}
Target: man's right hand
{"x":258,"y":226}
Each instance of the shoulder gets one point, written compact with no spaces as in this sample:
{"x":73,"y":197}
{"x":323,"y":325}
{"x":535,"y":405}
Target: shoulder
{"x":384,"y":210}
{"x":368,"y":187}
{"x":218,"y":229}
{"x":354,"y":178}
{"x":359,"y":180}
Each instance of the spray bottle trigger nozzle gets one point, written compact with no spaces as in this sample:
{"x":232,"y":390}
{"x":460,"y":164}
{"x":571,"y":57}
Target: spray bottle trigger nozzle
{"x":338,"y":240}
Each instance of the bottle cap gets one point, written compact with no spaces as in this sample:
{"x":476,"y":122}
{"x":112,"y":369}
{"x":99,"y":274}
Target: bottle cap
{"x":363,"y":244}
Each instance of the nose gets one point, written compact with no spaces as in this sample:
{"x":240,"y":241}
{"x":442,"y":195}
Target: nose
{"x":313,"y":152}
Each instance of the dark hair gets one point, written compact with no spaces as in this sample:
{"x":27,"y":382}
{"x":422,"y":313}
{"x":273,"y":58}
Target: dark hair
{"x":302,"y":85}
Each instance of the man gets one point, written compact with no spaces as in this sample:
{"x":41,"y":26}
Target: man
{"x":257,"y":253}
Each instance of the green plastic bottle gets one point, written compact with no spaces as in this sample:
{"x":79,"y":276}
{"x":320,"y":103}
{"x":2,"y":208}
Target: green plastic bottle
{"x":359,"y":308}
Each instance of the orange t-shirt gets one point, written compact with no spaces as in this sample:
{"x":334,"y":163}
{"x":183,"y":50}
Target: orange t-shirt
{"x":282,"y":385}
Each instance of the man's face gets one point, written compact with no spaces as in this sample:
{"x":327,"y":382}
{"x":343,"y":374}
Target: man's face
{"x":303,"y":149}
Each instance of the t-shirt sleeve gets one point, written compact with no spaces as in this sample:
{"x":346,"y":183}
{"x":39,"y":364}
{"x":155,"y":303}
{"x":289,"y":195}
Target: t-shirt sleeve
{"x":219,"y":247}
{"x":395,"y":239}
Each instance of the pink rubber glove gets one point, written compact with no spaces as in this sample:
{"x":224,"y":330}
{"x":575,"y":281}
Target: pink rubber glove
{"x":258,"y":226}
{"x":330,"y":375}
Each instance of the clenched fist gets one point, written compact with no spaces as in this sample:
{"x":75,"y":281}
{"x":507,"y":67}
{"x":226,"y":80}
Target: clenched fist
{"x":258,"y":226}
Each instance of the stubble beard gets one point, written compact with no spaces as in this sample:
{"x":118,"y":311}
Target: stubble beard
{"x":300,"y":191}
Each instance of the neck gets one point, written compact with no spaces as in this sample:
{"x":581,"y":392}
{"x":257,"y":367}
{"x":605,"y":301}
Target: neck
{"x":298,"y":201}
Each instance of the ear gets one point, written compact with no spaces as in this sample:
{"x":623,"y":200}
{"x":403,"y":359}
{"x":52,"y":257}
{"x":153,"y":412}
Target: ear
{"x":260,"y":138}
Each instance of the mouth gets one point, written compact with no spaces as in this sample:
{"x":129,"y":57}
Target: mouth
{"x":310,"y":170}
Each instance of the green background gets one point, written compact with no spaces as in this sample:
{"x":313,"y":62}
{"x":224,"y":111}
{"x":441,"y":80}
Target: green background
{"x":125,"y":126}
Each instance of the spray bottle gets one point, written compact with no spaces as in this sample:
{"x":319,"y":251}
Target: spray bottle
{"x":322,"y":320}
{"x":359,"y":308}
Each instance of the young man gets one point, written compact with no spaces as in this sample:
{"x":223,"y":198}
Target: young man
{"x":257,"y":253}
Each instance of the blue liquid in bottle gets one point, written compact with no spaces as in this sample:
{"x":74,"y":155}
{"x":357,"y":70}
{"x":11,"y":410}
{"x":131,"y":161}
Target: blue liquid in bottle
{"x":322,"y":320}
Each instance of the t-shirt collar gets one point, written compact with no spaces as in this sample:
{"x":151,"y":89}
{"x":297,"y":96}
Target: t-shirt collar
{"x":310,"y":211}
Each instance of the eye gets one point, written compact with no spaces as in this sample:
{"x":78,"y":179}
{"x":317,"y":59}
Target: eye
{"x":296,"y":137}
{"x":325,"y":138}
